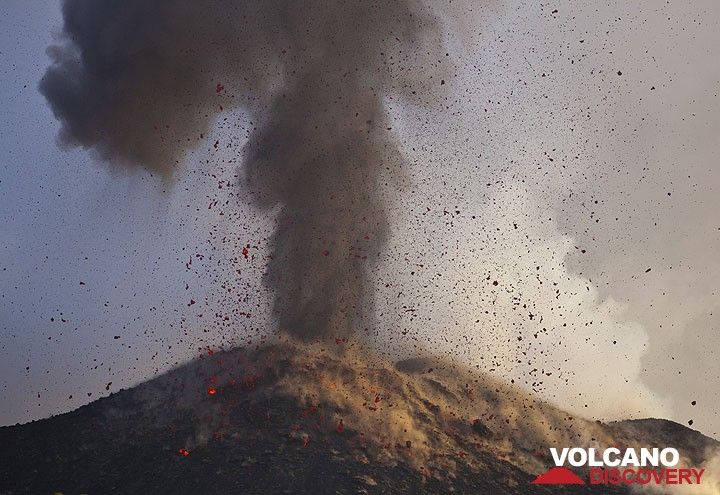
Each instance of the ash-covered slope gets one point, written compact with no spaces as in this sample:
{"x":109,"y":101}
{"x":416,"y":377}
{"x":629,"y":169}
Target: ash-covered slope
{"x":308,"y":418}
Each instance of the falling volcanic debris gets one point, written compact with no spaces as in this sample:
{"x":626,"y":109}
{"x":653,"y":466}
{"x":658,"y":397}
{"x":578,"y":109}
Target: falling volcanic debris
{"x":138,"y":83}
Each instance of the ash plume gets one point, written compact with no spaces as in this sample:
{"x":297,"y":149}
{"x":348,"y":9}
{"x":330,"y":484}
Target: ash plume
{"x":140,"y":82}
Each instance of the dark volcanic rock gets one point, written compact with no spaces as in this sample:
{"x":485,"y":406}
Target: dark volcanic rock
{"x":296,"y":418}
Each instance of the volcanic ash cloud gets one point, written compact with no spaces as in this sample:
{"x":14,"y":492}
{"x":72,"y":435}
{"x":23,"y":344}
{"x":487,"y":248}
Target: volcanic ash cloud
{"x":139,"y":82}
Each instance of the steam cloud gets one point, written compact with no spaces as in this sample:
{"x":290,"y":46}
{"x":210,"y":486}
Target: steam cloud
{"x":135,"y":81}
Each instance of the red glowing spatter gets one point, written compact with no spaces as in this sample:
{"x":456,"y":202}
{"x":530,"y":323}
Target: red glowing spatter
{"x":212,"y":391}
{"x":210,"y":352}
{"x":306,"y":441}
{"x":310,"y":410}
{"x":219,"y":88}
{"x":184,"y":452}
{"x":326,"y":253}
{"x":246,"y":251}
{"x":340,"y":427}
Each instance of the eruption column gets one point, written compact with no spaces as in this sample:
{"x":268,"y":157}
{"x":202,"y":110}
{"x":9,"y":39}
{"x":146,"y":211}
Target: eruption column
{"x":136,"y":81}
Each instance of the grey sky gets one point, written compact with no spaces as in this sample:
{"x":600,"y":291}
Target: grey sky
{"x":554,"y":168}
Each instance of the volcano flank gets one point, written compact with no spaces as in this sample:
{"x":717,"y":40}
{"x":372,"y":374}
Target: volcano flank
{"x":297,"y":417}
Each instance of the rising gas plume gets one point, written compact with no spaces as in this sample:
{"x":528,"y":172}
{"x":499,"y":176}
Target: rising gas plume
{"x":141,"y":82}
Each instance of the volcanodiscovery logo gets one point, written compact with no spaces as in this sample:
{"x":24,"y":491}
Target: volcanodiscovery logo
{"x":613,"y":466}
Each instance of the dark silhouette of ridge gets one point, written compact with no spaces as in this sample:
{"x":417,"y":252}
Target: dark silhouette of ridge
{"x":298,"y":418}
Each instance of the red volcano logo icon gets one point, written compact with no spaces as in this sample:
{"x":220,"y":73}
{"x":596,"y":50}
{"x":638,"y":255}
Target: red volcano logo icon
{"x":558,"y":476}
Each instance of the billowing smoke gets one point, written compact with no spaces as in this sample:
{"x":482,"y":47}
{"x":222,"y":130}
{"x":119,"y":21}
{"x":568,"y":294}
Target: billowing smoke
{"x":139,"y":82}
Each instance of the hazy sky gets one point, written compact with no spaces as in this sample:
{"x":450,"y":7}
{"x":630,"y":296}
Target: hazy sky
{"x":558,"y":225}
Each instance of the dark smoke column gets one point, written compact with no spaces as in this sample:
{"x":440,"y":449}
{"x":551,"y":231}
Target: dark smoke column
{"x":134,"y":81}
{"x":319,"y":154}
